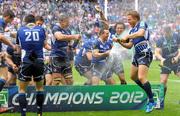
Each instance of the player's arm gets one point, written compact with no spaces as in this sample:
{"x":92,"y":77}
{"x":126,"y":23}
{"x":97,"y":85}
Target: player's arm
{"x":176,"y":58}
{"x":9,"y":61}
{"x":139,"y":33}
{"x":13,"y":35}
{"x":89,"y":55}
{"x":158,"y":54}
{"x":102,"y":17}
{"x":96,"y":53}
{"x":98,"y":9}
{"x":6,"y":41}
{"x":47,"y":46}
{"x":128,"y":45}
{"x":59,"y":36}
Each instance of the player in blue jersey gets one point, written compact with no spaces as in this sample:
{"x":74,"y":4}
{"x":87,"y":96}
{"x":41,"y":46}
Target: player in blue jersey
{"x":61,"y":65}
{"x":167,"y":51}
{"x":114,"y":61}
{"x":13,"y":60}
{"x":39,"y":20}
{"x":101,"y":51}
{"x":8,"y":17}
{"x":139,"y":38}
{"x":83,"y":61}
{"x":31,"y":39}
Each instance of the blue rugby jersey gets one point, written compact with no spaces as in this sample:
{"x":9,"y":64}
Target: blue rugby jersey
{"x":81,"y":57}
{"x":31,"y":40}
{"x":102,"y":47}
{"x":141,"y":44}
{"x":169,"y":46}
{"x":59,"y":47}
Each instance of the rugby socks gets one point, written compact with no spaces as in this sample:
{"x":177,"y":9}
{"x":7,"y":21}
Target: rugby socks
{"x":40,"y":100}
{"x":22,"y":103}
{"x":138,"y":82}
{"x":147,"y":89}
{"x":165,"y":89}
{"x":2,"y":83}
{"x":162,"y":100}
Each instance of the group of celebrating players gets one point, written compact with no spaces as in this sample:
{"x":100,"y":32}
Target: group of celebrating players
{"x":25,"y":58}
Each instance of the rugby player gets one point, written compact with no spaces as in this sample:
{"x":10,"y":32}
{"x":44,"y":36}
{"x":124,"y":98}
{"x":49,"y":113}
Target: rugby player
{"x":31,"y":39}
{"x":139,"y":38}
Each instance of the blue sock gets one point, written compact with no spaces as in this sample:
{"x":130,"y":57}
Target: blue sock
{"x":39,"y":100}
{"x":22,"y":103}
{"x":138,"y":82}
{"x":147,"y":89}
{"x":2,"y":83}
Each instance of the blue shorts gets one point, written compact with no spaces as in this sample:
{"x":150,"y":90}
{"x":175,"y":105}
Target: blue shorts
{"x":61,"y":65}
{"x":31,"y":69}
{"x":142,"y":58}
{"x":82,"y":68}
{"x":169,"y":67}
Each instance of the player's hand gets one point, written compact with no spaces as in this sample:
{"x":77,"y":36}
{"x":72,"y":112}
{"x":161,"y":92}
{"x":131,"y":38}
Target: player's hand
{"x":107,"y":52}
{"x":125,"y":39}
{"x":98,"y":8}
{"x":115,"y":39}
{"x":175,"y":60}
{"x":162,"y":62}
{"x":15,"y":68}
{"x":14,"y":47}
{"x":17,"y":49}
{"x":77,"y":37}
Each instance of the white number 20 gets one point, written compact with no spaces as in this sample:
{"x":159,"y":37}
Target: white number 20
{"x":35,"y":36}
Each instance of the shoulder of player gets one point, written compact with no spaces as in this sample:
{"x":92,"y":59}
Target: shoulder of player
{"x":56,"y":27}
{"x":142,"y":24}
{"x":39,"y":27}
{"x":95,"y":43}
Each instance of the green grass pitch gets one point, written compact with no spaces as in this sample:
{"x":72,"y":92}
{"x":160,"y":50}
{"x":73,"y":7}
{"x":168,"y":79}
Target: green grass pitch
{"x":172,"y":101}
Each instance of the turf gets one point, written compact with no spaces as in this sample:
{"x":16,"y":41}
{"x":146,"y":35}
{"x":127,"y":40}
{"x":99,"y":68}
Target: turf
{"x":172,"y":101}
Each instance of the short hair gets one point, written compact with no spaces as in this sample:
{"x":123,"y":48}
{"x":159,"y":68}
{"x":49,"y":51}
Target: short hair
{"x":9,"y":13}
{"x":63,"y":16}
{"x":29,"y":19}
{"x":134,"y":14}
{"x":39,"y":18}
{"x":102,"y":30}
{"x":119,"y":23}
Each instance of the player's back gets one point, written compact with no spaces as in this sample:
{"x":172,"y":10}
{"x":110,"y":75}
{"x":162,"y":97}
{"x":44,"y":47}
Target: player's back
{"x":31,"y":39}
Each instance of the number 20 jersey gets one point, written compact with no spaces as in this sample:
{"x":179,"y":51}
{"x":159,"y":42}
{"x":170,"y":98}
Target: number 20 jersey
{"x":31,"y":39}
